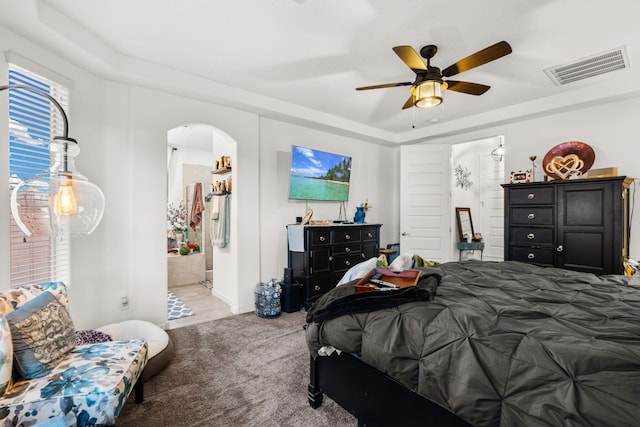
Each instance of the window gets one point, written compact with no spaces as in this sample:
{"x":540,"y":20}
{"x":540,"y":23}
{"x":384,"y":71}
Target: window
{"x":33,"y":121}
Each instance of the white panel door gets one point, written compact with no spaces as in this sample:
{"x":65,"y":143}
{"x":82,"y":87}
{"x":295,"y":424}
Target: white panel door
{"x":425,"y":206}
{"x":492,"y":207}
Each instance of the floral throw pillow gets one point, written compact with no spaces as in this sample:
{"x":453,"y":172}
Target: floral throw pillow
{"x":42,"y":333}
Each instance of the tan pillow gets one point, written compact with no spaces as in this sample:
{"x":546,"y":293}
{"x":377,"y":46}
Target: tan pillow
{"x":42,"y":333}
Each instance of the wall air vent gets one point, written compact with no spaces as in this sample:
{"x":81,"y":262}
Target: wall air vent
{"x":605,"y":62}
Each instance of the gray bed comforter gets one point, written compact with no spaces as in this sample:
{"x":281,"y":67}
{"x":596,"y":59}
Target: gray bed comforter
{"x":509,"y":344}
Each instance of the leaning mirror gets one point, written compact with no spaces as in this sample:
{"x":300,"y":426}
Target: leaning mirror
{"x":465,"y":225}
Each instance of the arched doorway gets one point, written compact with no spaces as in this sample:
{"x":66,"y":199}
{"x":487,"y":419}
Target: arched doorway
{"x":194,"y":153}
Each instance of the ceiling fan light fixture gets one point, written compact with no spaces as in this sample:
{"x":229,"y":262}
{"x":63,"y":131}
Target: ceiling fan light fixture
{"x":428,"y":93}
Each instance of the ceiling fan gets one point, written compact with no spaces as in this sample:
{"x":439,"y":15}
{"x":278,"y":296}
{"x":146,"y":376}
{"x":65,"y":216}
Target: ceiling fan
{"x":426,"y":90}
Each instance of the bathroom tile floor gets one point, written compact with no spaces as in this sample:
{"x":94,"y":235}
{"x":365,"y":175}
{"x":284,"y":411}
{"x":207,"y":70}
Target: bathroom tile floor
{"x":202,"y":302}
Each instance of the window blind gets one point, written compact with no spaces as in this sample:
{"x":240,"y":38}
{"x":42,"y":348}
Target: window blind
{"x":33,"y":121}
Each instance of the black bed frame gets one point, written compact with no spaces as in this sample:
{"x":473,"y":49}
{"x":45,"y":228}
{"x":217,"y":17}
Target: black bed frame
{"x":374,"y":398}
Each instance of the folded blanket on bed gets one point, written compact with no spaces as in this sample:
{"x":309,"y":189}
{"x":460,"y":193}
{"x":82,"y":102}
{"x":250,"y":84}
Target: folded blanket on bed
{"x":345,"y":300}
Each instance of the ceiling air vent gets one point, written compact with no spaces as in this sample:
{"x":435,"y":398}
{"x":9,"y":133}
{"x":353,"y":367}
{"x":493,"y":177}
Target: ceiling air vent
{"x":615,"y":59}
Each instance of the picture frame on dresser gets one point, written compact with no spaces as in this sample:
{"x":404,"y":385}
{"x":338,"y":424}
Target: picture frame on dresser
{"x":520,"y":177}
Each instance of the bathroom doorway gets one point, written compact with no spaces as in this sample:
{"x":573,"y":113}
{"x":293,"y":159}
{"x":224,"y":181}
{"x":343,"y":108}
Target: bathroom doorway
{"x":192,"y":154}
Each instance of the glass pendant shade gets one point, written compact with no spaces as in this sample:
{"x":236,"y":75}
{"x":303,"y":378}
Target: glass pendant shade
{"x":63,"y":202}
{"x":76,"y":204}
{"x":60,"y":201}
{"x":428,"y":94}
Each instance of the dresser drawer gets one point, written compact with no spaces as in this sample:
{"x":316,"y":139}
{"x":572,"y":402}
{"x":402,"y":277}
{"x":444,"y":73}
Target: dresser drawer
{"x":542,"y":256}
{"x":369,"y":234}
{"x":532,"y":196}
{"x":320,"y":237}
{"x":320,"y":260}
{"x":346,"y":235}
{"x":347,"y":248}
{"x":532,"y":216}
{"x":533,"y":236}
{"x":317,"y":286}
{"x":342,"y":263}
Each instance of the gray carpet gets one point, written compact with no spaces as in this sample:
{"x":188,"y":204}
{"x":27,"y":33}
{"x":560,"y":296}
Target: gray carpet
{"x":237,"y":371}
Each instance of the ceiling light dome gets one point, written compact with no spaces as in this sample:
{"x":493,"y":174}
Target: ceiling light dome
{"x":428,"y":94}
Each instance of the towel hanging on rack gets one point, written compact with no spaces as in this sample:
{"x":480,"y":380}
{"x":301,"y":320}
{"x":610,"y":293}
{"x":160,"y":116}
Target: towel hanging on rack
{"x":197,"y":206}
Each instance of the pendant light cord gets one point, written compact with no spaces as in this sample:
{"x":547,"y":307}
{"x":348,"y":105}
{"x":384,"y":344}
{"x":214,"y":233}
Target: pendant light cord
{"x":65,"y":132}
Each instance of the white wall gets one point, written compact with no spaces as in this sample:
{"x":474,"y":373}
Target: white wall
{"x":610,"y":129}
{"x":122,"y":131}
{"x":187,"y":152}
{"x":374,"y":176}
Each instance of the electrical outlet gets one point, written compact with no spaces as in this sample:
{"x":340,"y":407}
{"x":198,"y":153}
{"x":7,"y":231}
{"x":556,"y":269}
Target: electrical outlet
{"x":124,"y":303}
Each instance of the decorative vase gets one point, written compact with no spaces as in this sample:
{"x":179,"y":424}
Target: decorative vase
{"x":359,"y":216}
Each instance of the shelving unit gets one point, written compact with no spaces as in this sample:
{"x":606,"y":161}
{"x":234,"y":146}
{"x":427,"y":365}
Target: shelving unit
{"x":221,"y":171}
{"x":225,"y":187}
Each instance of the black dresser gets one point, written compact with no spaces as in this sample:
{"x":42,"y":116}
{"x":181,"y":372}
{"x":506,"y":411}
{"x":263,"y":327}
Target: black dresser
{"x":578,"y":224}
{"x":320,"y":254}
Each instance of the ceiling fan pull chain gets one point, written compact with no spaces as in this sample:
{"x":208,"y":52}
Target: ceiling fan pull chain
{"x":413,"y":126}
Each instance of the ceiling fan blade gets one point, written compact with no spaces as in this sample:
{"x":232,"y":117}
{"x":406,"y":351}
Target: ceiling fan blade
{"x":467,"y":87}
{"x":384,"y":85}
{"x":410,"y":102}
{"x":481,"y":57}
{"x":410,"y":57}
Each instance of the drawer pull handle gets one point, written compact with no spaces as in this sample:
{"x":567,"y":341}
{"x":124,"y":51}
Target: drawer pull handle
{"x":531,"y":256}
{"x":330,"y":258}
{"x":531,"y":216}
{"x":322,"y":239}
{"x":560,"y":248}
{"x":362,"y":256}
{"x":370,"y":235}
{"x":531,"y":236}
{"x":531,"y":196}
{"x":316,"y":287}
{"x":347,"y":263}
{"x":347,"y":237}
{"x":347,"y":250}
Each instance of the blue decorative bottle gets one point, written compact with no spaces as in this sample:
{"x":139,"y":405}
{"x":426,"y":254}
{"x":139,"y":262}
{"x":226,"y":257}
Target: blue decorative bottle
{"x":359,"y":216}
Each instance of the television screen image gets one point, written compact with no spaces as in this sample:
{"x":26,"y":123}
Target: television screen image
{"x":318,"y":175}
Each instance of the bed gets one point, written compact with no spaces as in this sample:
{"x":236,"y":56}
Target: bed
{"x":494,"y":344}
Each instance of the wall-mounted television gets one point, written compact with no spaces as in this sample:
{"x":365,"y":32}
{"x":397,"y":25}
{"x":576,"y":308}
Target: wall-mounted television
{"x":318,"y":175}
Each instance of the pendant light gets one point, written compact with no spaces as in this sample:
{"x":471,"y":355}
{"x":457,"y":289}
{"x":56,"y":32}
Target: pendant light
{"x":498,"y":153}
{"x":62,"y":195}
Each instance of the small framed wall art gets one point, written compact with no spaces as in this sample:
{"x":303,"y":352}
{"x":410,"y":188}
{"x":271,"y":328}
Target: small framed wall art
{"x":519,"y":177}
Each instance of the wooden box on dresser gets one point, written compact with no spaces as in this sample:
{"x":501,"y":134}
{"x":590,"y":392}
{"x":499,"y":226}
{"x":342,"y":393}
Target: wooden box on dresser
{"x":580,"y":224}
{"x":320,"y":254}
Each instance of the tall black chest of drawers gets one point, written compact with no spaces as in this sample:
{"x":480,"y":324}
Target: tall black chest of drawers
{"x":320,"y":254}
{"x":580,"y":225}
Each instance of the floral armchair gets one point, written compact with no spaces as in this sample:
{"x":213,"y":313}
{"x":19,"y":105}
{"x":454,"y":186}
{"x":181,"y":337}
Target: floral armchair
{"x":49,"y":376}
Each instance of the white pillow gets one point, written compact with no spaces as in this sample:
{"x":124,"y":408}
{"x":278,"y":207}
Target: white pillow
{"x":358,"y":271}
{"x":402,"y":262}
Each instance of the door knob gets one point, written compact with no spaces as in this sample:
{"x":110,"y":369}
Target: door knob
{"x":559,"y":248}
